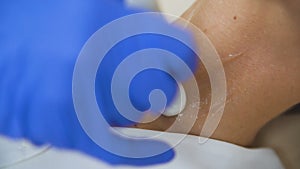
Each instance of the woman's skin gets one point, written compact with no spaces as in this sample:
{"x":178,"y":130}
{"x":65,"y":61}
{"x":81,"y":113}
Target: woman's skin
{"x":259,"y":44}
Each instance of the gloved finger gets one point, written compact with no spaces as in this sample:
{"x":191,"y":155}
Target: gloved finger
{"x":158,"y":78}
{"x":138,"y":70}
{"x":149,"y":81}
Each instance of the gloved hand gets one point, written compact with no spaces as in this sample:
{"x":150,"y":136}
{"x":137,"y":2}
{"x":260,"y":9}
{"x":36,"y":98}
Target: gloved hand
{"x":40,"y":42}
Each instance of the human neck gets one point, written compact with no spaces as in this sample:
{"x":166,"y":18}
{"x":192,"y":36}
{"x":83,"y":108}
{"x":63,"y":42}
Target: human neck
{"x":261,"y":82}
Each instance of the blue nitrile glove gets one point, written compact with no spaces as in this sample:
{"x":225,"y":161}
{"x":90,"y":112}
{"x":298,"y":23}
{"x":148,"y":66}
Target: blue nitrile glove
{"x":40,"y":42}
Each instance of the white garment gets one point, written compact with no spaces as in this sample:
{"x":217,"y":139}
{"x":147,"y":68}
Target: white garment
{"x":189,"y":154}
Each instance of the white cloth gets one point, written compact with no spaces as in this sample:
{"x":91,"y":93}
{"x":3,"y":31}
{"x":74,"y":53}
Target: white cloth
{"x":189,"y":154}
